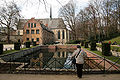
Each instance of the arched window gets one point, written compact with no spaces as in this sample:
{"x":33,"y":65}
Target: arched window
{"x":59,"y":34}
{"x":63,"y":34}
{"x":31,"y":25}
{"x":58,"y":54}
{"x":63,"y":54}
{"x":28,"y":24}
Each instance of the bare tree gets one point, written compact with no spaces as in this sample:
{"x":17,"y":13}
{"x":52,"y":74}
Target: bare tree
{"x":67,"y":12}
{"x":9,"y":17}
{"x":100,"y":19}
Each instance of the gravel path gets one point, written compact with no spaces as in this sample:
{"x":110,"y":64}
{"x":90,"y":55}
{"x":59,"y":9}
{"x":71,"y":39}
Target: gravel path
{"x":58,"y":77}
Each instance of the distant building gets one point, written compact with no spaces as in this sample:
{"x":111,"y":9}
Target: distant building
{"x":47,"y":29}
{"x":37,"y":31}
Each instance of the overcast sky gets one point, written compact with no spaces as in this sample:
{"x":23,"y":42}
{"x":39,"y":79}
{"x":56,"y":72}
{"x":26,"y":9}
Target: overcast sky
{"x":32,"y":8}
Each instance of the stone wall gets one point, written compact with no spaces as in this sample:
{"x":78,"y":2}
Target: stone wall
{"x":19,"y":54}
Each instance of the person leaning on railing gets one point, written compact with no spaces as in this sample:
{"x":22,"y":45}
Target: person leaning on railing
{"x":79,"y":55}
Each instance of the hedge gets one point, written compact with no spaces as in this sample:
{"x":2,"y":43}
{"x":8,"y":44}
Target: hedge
{"x":27,"y":44}
{"x":93,"y":45}
{"x":106,"y":49}
{"x":17,"y":46}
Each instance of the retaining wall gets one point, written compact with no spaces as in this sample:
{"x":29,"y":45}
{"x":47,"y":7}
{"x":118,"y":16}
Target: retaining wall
{"x":21,"y":53}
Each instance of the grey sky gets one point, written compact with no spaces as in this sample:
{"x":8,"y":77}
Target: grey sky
{"x":32,"y":8}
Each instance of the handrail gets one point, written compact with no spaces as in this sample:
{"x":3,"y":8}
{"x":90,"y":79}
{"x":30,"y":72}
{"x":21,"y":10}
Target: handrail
{"x":41,"y":63}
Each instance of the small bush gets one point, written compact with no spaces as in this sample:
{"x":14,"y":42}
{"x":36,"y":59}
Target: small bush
{"x":34,"y":43}
{"x":86,"y":44}
{"x":1,"y":48}
{"x":93,"y":45}
{"x":82,"y":43}
{"x":73,"y":42}
{"x":27,"y":44}
{"x":17,"y":46}
{"x":106,"y":49}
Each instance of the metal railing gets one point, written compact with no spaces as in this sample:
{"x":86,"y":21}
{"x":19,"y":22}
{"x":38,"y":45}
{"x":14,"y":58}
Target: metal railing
{"x":53,"y":64}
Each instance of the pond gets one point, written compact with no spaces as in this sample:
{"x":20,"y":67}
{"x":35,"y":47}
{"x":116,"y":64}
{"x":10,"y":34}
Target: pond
{"x":51,"y":59}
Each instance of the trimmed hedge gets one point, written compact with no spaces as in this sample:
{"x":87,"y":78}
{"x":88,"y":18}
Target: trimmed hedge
{"x":82,"y":43}
{"x":86,"y":44}
{"x":17,"y":46}
{"x":113,"y":48}
{"x":93,"y":45}
{"x":34,"y":43}
{"x":1,"y":48}
{"x":106,"y":49}
{"x":27,"y":44}
{"x":74,"y":42}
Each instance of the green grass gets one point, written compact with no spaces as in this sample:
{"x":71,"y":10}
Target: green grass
{"x":114,"y":48}
{"x":117,"y":39}
{"x":112,"y":58}
{"x":9,"y":51}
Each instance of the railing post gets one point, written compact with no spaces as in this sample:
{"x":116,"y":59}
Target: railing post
{"x":55,"y":64}
{"x":104,"y":65}
{"x":88,"y":65}
{"x":24,"y":64}
{"x":10,"y":64}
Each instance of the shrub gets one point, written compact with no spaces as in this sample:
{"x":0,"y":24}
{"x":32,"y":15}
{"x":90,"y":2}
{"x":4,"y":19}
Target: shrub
{"x":1,"y":48}
{"x":106,"y":49}
{"x":34,"y":43}
{"x":17,"y":46}
{"x":86,"y":44}
{"x":82,"y":43}
{"x":93,"y":45}
{"x":74,"y":42}
{"x":27,"y":44}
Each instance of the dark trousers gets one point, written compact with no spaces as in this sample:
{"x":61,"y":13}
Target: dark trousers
{"x":79,"y":70}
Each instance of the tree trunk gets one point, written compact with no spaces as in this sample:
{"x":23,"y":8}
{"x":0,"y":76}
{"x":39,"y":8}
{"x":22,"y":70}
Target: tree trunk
{"x":8,"y":35}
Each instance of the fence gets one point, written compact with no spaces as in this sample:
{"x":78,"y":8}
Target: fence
{"x":57,"y":65}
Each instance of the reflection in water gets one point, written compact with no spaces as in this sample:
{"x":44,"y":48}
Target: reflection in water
{"x":68,"y":62}
{"x":46,"y":59}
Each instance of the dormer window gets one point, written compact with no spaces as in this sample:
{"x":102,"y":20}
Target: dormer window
{"x":31,"y":25}
{"x":34,"y":24}
{"x":28,"y":24}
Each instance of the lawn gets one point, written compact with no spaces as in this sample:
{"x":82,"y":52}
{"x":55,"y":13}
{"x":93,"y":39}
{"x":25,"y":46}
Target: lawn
{"x":112,"y":58}
{"x":117,"y":39}
{"x":113,"y":47}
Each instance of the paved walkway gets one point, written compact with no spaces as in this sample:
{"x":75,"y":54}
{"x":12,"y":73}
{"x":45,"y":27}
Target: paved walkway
{"x":58,"y":77}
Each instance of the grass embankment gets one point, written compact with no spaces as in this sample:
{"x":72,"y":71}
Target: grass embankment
{"x":113,"y":47}
{"x":117,"y":39}
{"x":112,"y":58}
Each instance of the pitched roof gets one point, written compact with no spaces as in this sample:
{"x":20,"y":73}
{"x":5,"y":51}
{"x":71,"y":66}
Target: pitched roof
{"x":53,"y":23}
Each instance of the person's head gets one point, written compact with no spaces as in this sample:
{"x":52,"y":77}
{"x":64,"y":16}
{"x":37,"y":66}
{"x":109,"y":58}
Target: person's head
{"x":78,"y":46}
